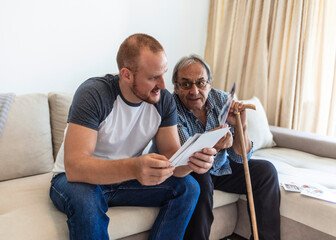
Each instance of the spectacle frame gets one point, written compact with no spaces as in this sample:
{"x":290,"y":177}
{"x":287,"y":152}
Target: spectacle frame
{"x":200,"y":84}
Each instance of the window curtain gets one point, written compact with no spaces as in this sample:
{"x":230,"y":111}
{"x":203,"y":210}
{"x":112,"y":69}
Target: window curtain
{"x":283,"y":52}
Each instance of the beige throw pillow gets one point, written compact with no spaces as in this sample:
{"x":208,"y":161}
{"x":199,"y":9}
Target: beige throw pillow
{"x":25,"y":143}
{"x":59,"y":104}
{"x":257,"y":126}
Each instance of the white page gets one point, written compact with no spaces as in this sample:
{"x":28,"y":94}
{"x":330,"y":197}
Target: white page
{"x":206,"y":140}
{"x":189,"y":141}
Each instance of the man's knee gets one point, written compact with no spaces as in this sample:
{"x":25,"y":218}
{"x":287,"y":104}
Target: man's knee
{"x":188,"y":187}
{"x":265,"y":168}
{"x":269,"y":170}
{"x":265,"y":176}
{"x":92,"y":203}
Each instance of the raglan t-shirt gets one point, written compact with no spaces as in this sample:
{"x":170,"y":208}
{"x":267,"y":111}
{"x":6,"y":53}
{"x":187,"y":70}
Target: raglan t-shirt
{"x":124,"y":128}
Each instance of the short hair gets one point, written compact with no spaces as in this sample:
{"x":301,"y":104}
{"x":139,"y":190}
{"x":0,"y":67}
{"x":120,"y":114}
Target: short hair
{"x":129,"y":50}
{"x":188,"y":60}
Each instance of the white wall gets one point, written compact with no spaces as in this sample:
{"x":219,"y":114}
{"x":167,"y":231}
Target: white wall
{"x":54,"y":45}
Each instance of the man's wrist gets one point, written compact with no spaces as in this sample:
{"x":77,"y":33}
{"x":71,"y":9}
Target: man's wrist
{"x":133,"y":168}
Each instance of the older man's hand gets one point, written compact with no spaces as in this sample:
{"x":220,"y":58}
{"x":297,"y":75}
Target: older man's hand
{"x":225,"y":142}
{"x":201,"y":162}
{"x":234,"y":109}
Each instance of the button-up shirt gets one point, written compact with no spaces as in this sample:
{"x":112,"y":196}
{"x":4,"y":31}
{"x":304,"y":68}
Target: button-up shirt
{"x":189,"y":125}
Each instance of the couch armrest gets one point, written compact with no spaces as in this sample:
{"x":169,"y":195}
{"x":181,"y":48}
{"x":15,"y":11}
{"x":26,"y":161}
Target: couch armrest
{"x":307,"y":142}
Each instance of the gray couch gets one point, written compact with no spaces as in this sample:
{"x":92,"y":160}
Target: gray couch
{"x":34,"y":132}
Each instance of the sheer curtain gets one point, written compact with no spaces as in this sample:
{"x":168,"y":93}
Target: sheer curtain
{"x":283,"y":52}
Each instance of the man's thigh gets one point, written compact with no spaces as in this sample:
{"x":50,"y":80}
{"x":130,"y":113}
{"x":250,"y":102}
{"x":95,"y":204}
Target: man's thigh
{"x":235,"y":182}
{"x":133,"y":193}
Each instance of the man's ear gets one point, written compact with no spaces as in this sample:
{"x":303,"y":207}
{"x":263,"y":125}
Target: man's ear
{"x":126,"y":75}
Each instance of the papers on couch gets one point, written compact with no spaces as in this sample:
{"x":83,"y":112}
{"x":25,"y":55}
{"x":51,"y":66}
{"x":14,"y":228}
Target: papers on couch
{"x":318,"y":192}
{"x":195,"y":144}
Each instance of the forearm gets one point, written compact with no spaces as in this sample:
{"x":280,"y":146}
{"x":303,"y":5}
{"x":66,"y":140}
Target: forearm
{"x":97,"y":171}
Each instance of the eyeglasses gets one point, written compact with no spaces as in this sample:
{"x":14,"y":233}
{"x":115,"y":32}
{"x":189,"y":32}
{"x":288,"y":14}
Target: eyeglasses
{"x":201,"y":84}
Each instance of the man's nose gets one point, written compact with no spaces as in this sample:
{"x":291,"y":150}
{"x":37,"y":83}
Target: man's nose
{"x":161,"y":83}
{"x":193,"y":89}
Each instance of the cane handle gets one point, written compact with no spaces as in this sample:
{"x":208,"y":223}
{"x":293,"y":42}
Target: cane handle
{"x":249,"y":106}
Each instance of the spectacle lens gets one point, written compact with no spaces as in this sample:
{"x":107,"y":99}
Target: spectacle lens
{"x":201,"y":84}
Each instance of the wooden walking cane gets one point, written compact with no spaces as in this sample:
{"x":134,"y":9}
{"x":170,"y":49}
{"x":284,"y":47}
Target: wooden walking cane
{"x":247,"y":171}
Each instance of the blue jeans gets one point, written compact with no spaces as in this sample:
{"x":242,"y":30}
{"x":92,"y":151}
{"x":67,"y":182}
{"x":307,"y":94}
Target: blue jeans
{"x":86,"y":205}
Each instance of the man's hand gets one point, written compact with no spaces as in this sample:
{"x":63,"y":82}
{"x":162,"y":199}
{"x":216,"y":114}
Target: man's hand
{"x":152,"y":169}
{"x":225,"y":142}
{"x":232,"y":119}
{"x":235,"y":108}
{"x":201,"y":162}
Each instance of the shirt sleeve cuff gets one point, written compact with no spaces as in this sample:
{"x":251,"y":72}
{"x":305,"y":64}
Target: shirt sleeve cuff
{"x":238,"y":158}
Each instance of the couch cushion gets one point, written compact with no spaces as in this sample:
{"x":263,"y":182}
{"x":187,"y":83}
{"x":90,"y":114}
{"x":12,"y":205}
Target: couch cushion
{"x":257,"y":126}
{"x":304,"y":168}
{"x":25,"y":143}
{"x":223,"y":198}
{"x":27,"y":207}
{"x":59,"y":104}
{"x":296,"y":166}
{"x":27,"y":212}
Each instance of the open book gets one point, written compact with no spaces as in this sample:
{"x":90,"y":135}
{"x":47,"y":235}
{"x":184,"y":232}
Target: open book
{"x":195,"y":144}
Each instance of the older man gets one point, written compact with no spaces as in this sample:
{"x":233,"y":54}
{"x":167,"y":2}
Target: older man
{"x":198,"y":107}
{"x":111,"y":120}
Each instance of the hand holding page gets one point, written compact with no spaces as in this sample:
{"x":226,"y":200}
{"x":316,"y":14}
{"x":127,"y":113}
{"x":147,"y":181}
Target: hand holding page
{"x":195,"y":144}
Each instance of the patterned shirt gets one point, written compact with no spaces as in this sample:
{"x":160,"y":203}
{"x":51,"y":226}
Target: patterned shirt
{"x":188,"y":125}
